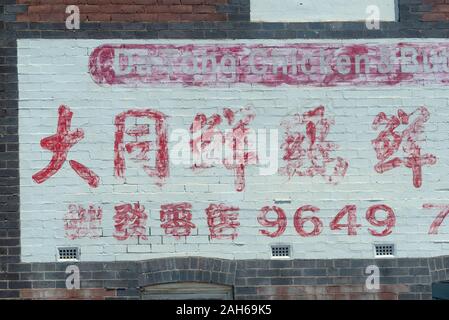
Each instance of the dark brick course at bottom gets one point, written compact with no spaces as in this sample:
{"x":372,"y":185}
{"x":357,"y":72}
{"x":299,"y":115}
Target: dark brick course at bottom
{"x":250,"y":279}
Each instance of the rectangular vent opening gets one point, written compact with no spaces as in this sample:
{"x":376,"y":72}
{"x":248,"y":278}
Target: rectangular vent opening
{"x":280,"y":251}
{"x":68,"y":254}
{"x":384,"y":250}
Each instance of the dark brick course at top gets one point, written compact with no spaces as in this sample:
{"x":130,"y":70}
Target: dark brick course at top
{"x":129,"y":10}
{"x":437,"y":10}
{"x":225,"y":19}
{"x":195,"y":19}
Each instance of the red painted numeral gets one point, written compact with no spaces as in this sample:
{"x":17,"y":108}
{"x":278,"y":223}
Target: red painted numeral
{"x":351,"y":211}
{"x":299,"y":222}
{"x":280,"y":222}
{"x":389,"y":222}
{"x":444,"y":212}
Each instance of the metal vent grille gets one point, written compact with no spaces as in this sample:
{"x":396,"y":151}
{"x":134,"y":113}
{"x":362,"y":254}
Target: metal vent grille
{"x":384,"y":250}
{"x":280,"y":251}
{"x":68,"y":253}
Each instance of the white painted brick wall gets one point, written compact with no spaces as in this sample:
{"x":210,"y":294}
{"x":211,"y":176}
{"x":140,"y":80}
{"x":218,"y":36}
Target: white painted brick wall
{"x":55,"y":72}
{"x":320,"y":10}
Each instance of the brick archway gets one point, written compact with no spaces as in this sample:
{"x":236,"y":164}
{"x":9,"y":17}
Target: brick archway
{"x":189,"y":269}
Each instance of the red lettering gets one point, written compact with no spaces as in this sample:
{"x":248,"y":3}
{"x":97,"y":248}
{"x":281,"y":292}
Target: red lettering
{"x":82,"y":223}
{"x":351,"y":212}
{"x":222,"y":221}
{"x":161,"y":166}
{"x":309,"y":154}
{"x":389,"y":222}
{"x":60,"y":144}
{"x":444,"y":212}
{"x":176,"y":219}
{"x":130,"y":221}
{"x":299,"y":222}
{"x":280,"y":222}
{"x":389,"y":141}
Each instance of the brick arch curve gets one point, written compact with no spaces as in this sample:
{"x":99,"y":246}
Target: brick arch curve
{"x":187,"y":269}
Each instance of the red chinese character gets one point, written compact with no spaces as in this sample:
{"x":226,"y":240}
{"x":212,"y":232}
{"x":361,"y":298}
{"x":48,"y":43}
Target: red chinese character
{"x":205,"y":136}
{"x":222,"y":224}
{"x":177,"y":219}
{"x":82,"y":223}
{"x":130,"y":221}
{"x":389,"y":141}
{"x":60,"y":144}
{"x":138,"y":131}
{"x":317,"y":152}
{"x":208,"y":139}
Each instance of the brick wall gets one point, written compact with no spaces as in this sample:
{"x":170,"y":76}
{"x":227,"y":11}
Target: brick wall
{"x":9,"y":186}
{"x":130,"y":11}
{"x":49,"y":222}
{"x":251,"y":279}
{"x":402,"y":278}
{"x":436,"y":10}
{"x":182,"y":11}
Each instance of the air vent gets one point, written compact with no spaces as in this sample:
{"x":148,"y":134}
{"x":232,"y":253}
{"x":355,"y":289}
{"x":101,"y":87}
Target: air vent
{"x":280,"y":251}
{"x":68,"y":254}
{"x":384,"y":250}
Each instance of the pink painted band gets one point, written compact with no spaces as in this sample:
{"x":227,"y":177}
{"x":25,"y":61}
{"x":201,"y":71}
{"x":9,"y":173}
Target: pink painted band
{"x":318,"y":65}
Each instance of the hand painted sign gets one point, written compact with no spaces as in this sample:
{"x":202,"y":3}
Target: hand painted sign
{"x":321,"y":65}
{"x":137,"y":150}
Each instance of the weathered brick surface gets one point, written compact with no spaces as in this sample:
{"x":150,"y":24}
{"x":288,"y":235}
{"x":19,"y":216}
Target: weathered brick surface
{"x":434,"y":10}
{"x":182,"y":10}
{"x":49,"y":222}
{"x":64,"y":294}
{"x":251,"y":279}
{"x":296,"y":279}
{"x":125,"y":11}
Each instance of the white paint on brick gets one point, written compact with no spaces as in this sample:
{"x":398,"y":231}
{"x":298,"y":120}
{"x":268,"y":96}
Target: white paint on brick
{"x":46,"y":82}
{"x":319,"y":10}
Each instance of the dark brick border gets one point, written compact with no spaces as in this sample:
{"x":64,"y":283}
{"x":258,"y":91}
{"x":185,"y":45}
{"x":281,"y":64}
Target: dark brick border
{"x":154,"y":11}
{"x":9,"y":167}
{"x":409,"y":25}
{"x":252,"y":279}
